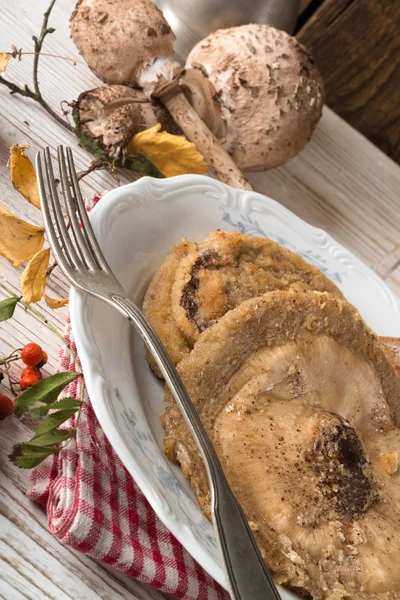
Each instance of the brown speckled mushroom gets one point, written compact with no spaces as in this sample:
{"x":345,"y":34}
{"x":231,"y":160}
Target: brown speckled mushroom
{"x":258,"y":90}
{"x":109,"y":116}
{"x":129,"y":42}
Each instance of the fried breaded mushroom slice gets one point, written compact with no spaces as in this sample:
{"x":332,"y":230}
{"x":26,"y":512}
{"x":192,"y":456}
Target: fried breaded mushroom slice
{"x":200,"y":282}
{"x":302,"y":404}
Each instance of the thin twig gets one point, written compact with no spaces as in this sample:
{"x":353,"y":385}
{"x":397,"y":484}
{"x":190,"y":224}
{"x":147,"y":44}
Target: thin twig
{"x":10,"y":356}
{"x":38,"y":47}
{"x":20,"y":53}
{"x":36,"y":94}
{"x":6,"y":361}
{"x":10,"y":383}
{"x":96,"y":165}
{"x":27,"y":92}
{"x":55,"y":116}
{"x":15,"y":89}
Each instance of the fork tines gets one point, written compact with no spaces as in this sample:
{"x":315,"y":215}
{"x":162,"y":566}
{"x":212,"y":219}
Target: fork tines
{"x":81,"y":250}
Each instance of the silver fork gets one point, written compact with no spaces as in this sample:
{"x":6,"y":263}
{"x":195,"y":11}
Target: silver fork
{"x":82,"y":262}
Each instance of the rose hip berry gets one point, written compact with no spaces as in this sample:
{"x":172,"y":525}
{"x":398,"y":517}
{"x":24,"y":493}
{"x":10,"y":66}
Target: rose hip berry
{"x":32,"y":354}
{"x":43,"y":361}
{"x":30,"y":376}
{"x":6,"y":406}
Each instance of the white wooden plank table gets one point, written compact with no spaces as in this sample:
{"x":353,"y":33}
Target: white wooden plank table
{"x":340,"y":182}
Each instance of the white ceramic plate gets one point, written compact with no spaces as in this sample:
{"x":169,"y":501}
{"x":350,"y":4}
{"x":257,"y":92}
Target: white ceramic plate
{"x":136,"y":226}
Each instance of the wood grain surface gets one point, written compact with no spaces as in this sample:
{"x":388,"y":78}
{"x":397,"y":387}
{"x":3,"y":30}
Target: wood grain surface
{"x":341,"y":183}
{"x":304,"y":4}
{"x":356,"y":45}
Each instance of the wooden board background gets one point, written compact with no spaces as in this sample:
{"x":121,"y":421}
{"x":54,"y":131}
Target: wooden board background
{"x":356,"y":45}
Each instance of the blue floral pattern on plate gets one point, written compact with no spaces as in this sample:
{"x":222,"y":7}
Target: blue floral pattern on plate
{"x":165,"y":480}
{"x":249,"y":226}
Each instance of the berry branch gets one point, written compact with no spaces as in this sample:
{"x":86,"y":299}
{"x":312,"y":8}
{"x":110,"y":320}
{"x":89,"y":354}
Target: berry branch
{"x":39,"y":396}
{"x":43,"y":320}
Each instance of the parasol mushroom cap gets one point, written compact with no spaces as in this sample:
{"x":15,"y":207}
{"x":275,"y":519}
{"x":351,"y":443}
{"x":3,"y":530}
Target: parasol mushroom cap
{"x":267,"y":93}
{"x":119,"y":38}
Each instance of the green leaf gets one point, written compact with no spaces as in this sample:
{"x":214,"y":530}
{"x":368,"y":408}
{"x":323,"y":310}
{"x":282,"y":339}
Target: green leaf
{"x":46,"y":391}
{"x":27,"y":457}
{"x":7,"y":308}
{"x":51,"y":437}
{"x":66,"y":403}
{"x":39,"y":410}
{"x":52,"y":421}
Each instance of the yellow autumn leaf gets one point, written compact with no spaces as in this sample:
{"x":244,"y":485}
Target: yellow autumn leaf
{"x":23,"y":174}
{"x":171,"y":154}
{"x":4,"y":58}
{"x":33,"y":279}
{"x":55,"y":303}
{"x":19,"y":240}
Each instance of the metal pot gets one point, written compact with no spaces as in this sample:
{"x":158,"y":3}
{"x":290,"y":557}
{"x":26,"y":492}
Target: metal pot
{"x":193,"y":20}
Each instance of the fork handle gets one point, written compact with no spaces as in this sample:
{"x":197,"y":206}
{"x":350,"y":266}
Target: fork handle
{"x":246,"y":571}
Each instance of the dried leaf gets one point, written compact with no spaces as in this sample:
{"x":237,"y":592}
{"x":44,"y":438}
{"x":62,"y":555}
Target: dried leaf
{"x":23,"y":174}
{"x":55,"y":302}
{"x":4,"y":58}
{"x":19,"y":240}
{"x":44,"y":392}
{"x":171,"y":154}
{"x":33,"y":279}
{"x":7,"y":308}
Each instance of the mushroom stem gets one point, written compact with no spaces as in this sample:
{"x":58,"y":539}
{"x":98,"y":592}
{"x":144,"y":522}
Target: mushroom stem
{"x":206,"y":143}
{"x":160,"y":79}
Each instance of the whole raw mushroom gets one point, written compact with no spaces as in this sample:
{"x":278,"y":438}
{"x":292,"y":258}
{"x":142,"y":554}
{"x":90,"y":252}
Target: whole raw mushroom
{"x":258,"y":90}
{"x":129,"y":42}
{"x":107,"y":118}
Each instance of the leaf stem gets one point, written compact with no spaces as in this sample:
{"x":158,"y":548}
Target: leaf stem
{"x":11,"y":356}
{"x":51,"y":269}
{"x":7,"y":361}
{"x":81,"y":396}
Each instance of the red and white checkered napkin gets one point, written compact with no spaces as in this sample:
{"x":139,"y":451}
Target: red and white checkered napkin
{"x":94,"y":506}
